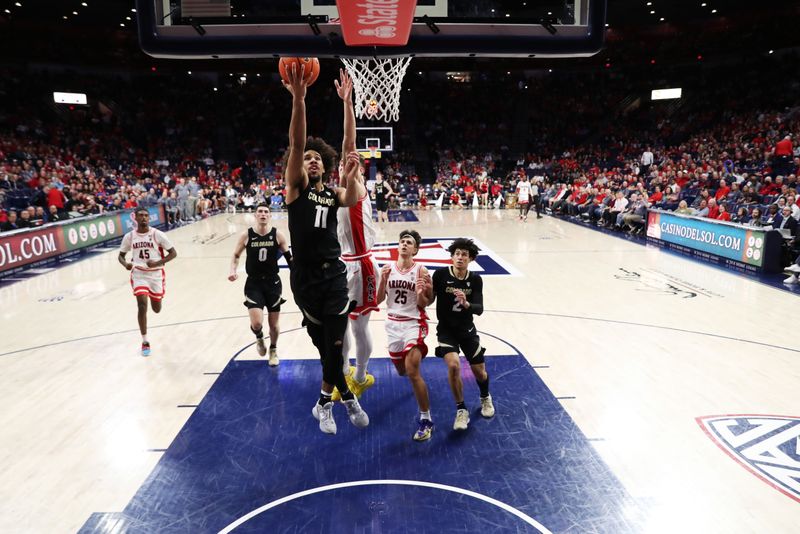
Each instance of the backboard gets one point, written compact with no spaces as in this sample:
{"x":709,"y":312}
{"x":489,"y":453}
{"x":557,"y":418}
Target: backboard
{"x":210,"y":29}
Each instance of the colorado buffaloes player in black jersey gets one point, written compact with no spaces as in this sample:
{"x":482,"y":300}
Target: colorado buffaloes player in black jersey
{"x":319,"y":277}
{"x":263,"y":286}
{"x":459,"y":296}
{"x":382,"y":192}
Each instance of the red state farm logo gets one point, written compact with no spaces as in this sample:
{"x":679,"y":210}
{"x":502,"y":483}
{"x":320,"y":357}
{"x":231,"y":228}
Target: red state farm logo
{"x":766,"y":445}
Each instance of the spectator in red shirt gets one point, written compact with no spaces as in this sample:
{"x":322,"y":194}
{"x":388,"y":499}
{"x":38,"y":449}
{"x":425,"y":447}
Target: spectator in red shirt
{"x":56,"y":198}
{"x":723,"y":213}
{"x":783,"y":147}
{"x":722,"y":192}
{"x":782,"y":156}
{"x":713,"y":209}
{"x":656,"y":197}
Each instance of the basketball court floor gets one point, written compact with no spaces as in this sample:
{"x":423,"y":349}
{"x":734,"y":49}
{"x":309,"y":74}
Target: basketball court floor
{"x":636,"y":391}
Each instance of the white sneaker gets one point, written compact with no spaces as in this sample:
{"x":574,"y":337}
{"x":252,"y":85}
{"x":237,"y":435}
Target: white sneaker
{"x":791,"y":280}
{"x":324,"y":414}
{"x":794,"y":268}
{"x":260,"y":346}
{"x":462,"y":420}
{"x":487,"y":407}
{"x":273,"y":357}
{"x":357,"y":415}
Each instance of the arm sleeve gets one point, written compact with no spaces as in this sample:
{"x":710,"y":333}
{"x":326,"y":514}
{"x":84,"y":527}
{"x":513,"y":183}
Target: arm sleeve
{"x":476,"y":297}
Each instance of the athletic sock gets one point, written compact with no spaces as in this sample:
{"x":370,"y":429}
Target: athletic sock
{"x":347,"y":395}
{"x":425,"y":416}
{"x":273,"y":346}
{"x":361,"y":371}
{"x":144,"y":339}
{"x":461,"y":406}
{"x":484,"y":387}
{"x":324,"y":398}
{"x":259,"y":333}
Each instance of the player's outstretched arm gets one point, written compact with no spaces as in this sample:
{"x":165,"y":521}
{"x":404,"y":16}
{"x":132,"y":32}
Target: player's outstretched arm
{"x":344,"y":88}
{"x":354,"y":187}
{"x":296,"y":177}
{"x":241,"y":243}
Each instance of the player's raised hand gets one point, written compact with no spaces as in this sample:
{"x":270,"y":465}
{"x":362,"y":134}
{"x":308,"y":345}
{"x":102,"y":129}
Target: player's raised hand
{"x":352,"y":162}
{"x":297,"y":83}
{"x":385,"y":270}
{"x":344,"y":85}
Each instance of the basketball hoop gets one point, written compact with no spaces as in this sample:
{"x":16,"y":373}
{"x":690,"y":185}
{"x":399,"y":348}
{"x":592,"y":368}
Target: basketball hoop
{"x":378,"y":84}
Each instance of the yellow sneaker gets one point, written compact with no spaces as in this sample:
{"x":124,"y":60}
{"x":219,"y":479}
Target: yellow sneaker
{"x":358,"y":388}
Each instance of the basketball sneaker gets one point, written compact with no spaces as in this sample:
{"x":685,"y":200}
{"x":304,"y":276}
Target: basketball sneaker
{"x":324,"y":414}
{"x":357,"y":415}
{"x":791,"y":280}
{"x":462,"y":420}
{"x":424,"y":430}
{"x":487,"y":406}
{"x":273,"y":357}
{"x":260,"y":346}
{"x":146,"y":348}
{"x":358,"y":388}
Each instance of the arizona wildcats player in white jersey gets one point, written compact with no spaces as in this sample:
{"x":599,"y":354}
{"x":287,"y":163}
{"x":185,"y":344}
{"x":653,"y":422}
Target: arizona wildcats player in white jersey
{"x":356,"y":233}
{"x":407,"y":288}
{"x":147,"y":267}
{"x":523,"y":197}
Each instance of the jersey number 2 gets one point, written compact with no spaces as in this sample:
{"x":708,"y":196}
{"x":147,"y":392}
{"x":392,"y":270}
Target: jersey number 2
{"x":321,"y":220}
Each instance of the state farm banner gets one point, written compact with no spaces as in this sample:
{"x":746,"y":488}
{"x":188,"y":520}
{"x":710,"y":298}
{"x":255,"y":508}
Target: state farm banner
{"x":84,"y":233}
{"x":28,"y":247}
{"x":376,"y":22}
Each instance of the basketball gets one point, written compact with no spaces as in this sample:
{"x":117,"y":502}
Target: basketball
{"x":311,"y":65}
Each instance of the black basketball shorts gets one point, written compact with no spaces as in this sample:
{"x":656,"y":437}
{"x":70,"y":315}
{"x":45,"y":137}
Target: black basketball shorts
{"x":262,"y":293}
{"x":467,"y":342}
{"x":320,"y":289}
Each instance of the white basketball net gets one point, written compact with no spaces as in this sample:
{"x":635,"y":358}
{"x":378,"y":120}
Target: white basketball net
{"x":377,"y":83}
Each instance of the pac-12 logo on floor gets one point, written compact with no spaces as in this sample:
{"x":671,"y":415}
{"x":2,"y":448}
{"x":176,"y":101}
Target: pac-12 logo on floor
{"x":433,"y":254}
{"x":766,"y":445}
